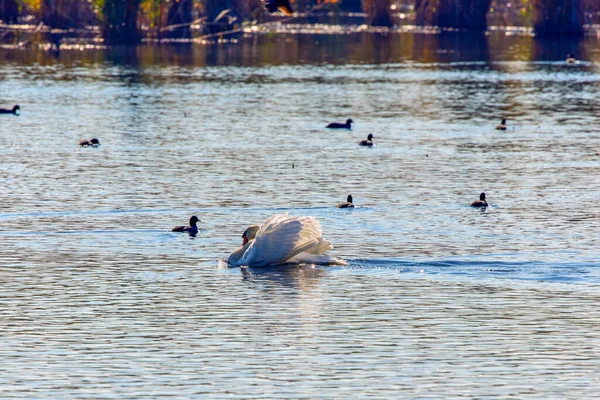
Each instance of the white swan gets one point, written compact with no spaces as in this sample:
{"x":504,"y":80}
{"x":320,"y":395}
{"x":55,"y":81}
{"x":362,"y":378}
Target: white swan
{"x":284,"y":239}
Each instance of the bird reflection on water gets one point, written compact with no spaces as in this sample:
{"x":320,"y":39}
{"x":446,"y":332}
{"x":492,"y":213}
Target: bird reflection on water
{"x":301,"y":277}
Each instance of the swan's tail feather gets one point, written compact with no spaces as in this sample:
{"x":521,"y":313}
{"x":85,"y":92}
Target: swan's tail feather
{"x":310,"y":240}
{"x":321,"y":246}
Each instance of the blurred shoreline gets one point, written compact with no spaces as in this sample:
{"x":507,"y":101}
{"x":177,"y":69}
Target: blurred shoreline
{"x":303,"y":43}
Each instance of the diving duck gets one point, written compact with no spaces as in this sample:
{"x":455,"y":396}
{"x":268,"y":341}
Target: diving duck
{"x":338,"y":125}
{"x":90,"y":143}
{"x":192,"y":229}
{"x":347,"y":204}
{"x":501,"y":126}
{"x":368,"y":141}
{"x":482,"y":202}
{"x":11,"y":111}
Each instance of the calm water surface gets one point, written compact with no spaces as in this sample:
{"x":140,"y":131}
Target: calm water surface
{"x":99,"y":300}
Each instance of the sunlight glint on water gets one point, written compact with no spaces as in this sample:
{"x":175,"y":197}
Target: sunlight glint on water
{"x":99,"y":299}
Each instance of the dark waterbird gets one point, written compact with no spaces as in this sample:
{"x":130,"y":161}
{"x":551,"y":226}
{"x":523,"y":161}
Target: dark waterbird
{"x":347,"y":204}
{"x":192,"y":229}
{"x":368,"y":141}
{"x":282,"y":5}
{"x":571,"y":59}
{"x":14,"y":110}
{"x":337,"y":125}
{"x":90,"y":143}
{"x":501,"y":126}
{"x":482,"y":202}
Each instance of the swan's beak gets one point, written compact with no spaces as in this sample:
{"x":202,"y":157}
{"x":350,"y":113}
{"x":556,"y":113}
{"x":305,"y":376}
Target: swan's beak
{"x":245,"y":240}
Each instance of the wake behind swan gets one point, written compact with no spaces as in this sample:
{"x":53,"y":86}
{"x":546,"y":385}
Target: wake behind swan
{"x":284,"y":239}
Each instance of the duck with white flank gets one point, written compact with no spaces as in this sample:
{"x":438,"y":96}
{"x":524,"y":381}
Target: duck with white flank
{"x":90,"y":143}
{"x":368,"y":141}
{"x":482,"y":202}
{"x":192,"y":229}
{"x":347,"y":204}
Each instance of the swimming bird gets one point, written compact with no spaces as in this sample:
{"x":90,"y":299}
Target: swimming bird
{"x":337,"y":125}
{"x":11,"y":111}
{"x":347,"y":204}
{"x":482,"y":202}
{"x":90,"y":143}
{"x":501,"y":126}
{"x":570,"y":59}
{"x":368,"y":141}
{"x":282,"y":5}
{"x":283,"y":239}
{"x":192,"y":229}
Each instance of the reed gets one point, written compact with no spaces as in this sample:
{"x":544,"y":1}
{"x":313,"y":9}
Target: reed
{"x":179,"y":16}
{"x":242,"y":8}
{"x":121,"y":19}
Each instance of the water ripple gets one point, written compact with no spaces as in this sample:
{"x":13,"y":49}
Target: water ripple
{"x":100,"y":300}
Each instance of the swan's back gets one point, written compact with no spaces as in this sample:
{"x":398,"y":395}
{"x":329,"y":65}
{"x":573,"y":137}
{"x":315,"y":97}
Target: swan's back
{"x":282,"y":237}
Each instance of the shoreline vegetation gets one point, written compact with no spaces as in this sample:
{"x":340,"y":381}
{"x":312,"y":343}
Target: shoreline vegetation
{"x":131,"y":22}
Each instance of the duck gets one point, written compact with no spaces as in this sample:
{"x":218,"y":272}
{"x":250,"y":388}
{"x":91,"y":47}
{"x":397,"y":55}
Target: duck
{"x":192,"y":229}
{"x":90,"y":143}
{"x":501,"y":126}
{"x":282,"y":5}
{"x":368,"y":141}
{"x":570,"y":59}
{"x":482,"y":202}
{"x":338,"y":125}
{"x":347,"y":204}
{"x":283,"y":239}
{"x":11,"y":111}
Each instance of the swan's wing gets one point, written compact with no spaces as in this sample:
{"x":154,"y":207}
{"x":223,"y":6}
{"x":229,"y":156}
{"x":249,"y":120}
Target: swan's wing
{"x":311,"y":231}
{"x":274,"y":241}
{"x":282,"y":237}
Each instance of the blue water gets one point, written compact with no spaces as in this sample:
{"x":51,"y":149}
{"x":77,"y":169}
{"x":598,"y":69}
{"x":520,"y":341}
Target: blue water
{"x":100,"y":300}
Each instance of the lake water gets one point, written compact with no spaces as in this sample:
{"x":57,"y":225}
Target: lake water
{"x":98,"y":299}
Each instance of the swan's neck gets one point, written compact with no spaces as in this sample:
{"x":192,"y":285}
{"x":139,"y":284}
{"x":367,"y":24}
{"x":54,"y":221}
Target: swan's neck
{"x":236,"y":256}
